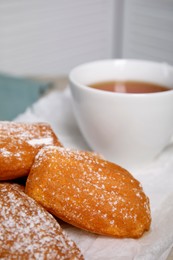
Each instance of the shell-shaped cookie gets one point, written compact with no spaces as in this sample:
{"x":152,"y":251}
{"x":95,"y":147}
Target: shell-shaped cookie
{"x":28,"y":231}
{"x":19,"y":143}
{"x":89,"y":192}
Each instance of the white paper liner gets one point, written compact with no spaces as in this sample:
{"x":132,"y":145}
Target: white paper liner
{"x":156,"y":179}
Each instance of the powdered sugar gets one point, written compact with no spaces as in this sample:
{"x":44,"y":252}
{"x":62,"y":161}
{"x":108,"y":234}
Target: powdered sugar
{"x":5,"y":152}
{"x":33,"y":133}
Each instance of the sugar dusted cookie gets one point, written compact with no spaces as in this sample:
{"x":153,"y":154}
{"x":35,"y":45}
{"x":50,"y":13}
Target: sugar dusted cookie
{"x":27,"y":231}
{"x":89,"y":192}
{"x":19,"y":143}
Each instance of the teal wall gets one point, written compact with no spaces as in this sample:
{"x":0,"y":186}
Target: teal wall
{"x":16,"y":94}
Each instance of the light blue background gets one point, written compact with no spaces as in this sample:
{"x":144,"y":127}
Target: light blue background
{"x":16,"y":94}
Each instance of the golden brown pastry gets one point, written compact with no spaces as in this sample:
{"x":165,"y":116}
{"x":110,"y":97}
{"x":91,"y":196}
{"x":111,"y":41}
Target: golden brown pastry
{"x":19,"y":143}
{"x":27,"y":231}
{"x":89,"y":192}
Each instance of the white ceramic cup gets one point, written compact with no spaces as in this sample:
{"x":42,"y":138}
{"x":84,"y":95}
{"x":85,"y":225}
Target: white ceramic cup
{"x":128,"y":129}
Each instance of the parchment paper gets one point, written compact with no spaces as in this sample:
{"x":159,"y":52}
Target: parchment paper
{"x":156,"y":179}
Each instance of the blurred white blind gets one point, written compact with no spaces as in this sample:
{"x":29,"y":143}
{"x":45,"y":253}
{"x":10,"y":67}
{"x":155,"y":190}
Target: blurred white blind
{"x":50,"y":37}
{"x":148,"y":30}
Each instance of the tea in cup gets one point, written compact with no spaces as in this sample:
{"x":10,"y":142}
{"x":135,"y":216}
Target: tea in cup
{"x":124,"y":108}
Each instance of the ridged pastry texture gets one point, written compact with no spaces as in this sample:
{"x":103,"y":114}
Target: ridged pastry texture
{"x":88,"y":192}
{"x":19,"y":143}
{"x":28,"y":231}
